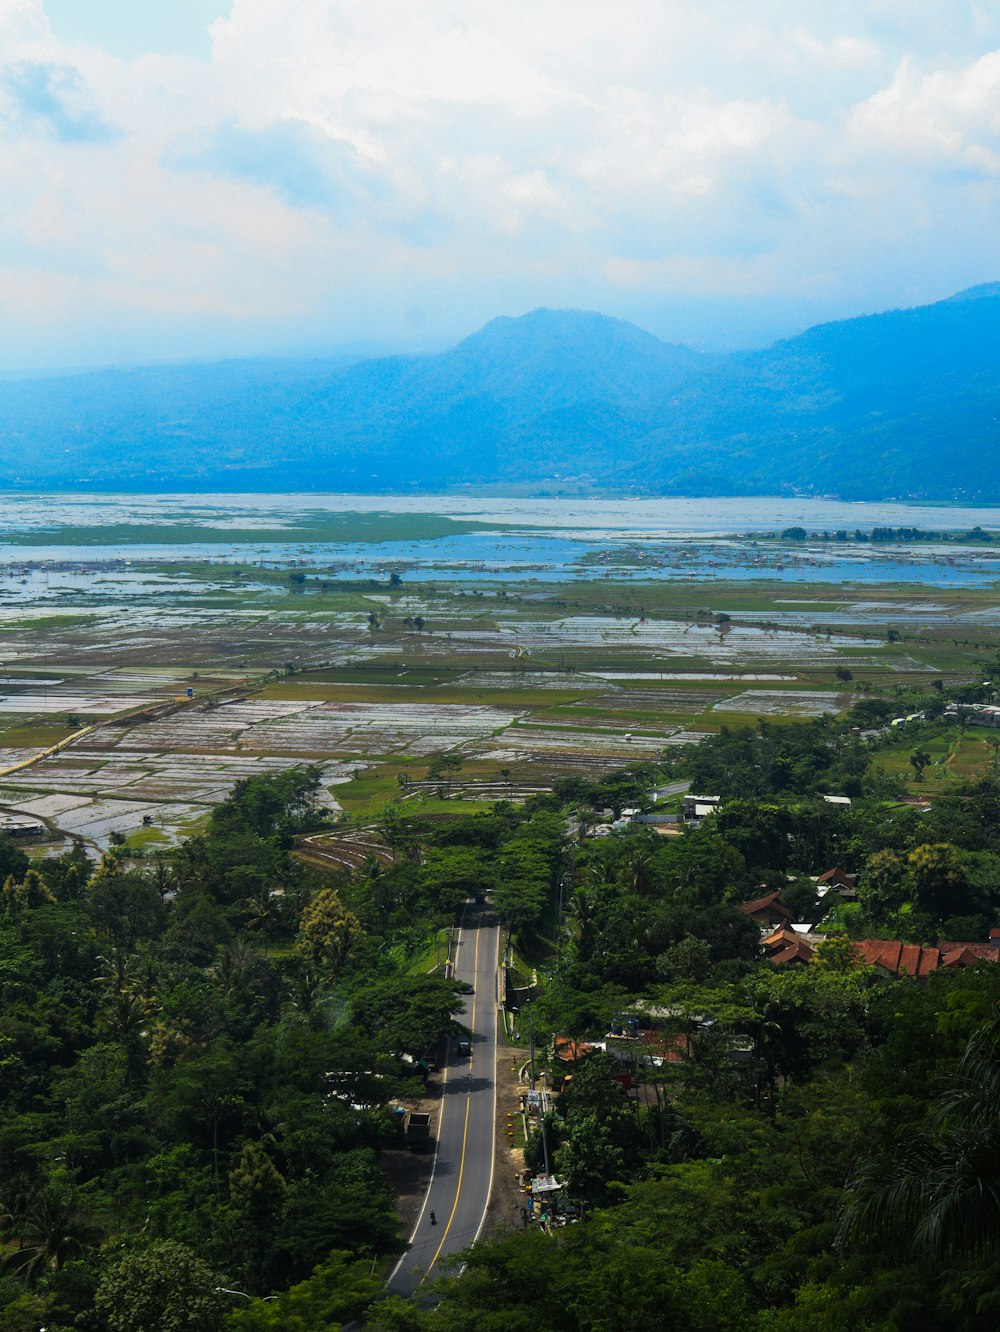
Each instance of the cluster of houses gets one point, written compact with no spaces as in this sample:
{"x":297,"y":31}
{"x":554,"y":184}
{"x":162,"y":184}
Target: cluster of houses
{"x":974,"y":714}
{"x":787,"y":943}
{"x":651,"y":1036}
{"x":694,"y":810}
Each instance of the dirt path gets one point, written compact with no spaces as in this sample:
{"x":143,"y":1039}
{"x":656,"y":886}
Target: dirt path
{"x":507,"y":1199}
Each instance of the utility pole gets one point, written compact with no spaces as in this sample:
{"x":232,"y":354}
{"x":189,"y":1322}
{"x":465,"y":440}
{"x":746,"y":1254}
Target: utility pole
{"x":531,"y":1038}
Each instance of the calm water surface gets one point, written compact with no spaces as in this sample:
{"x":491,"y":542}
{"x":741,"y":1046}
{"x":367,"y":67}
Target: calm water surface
{"x":542,"y":539}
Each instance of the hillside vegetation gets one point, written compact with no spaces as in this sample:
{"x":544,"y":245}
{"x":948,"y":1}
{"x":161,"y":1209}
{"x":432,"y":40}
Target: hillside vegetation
{"x":895,"y":405}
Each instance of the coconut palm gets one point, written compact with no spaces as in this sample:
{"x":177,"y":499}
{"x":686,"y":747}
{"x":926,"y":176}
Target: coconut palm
{"x":50,"y":1233}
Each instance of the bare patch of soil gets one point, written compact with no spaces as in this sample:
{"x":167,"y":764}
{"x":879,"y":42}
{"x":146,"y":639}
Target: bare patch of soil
{"x":507,"y":1199}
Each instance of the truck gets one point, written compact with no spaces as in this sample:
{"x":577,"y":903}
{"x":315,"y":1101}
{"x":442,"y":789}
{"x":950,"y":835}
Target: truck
{"x":418,"y":1130}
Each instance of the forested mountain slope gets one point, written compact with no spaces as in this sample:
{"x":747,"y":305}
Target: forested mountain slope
{"x":896,"y":405}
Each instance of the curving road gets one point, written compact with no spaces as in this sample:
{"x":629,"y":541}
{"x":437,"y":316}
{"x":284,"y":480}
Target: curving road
{"x":462,"y":1175}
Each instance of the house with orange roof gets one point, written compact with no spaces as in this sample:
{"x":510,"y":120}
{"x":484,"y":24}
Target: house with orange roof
{"x":768,"y":910}
{"x":785,"y":947}
{"x":890,"y":957}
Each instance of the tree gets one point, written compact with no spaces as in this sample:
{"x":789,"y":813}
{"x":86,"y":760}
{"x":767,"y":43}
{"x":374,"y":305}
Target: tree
{"x":688,"y":959}
{"x":276,"y":804}
{"x":519,"y":897}
{"x":454,"y":873}
{"x":407,"y":1014}
{"x":838,"y":953}
{"x":13,"y":861}
{"x":125,"y":907}
{"x":939,"y":881}
{"x":161,"y":1287}
{"x":327,"y":930}
{"x":49,"y":1230}
{"x":444,"y":765}
{"x":802,"y":899}
{"x":339,"y":1290}
{"x":602,"y":1146}
{"x":25,"y":894}
{"x":883,"y":886}
{"x":256,"y":1188}
{"x":940,"y":1193}
{"x":919,"y":760}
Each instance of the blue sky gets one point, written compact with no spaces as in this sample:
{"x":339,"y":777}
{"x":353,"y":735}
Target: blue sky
{"x":131,"y":28}
{"x":206,"y":178}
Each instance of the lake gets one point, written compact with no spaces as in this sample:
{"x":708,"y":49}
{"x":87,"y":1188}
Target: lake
{"x":51,"y":542}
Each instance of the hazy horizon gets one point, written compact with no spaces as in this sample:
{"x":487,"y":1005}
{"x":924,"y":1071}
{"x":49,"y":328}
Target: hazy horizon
{"x":221,"y":179}
{"x":360,"y":352}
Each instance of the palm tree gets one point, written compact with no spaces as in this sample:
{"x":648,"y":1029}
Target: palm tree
{"x":234,"y":959}
{"x":940,"y":1193}
{"x":164,"y":879}
{"x":581,"y":908}
{"x":313,"y":996}
{"x":50,"y":1233}
{"x":263,"y":908}
{"x":16,"y":1197}
{"x":636,"y":873}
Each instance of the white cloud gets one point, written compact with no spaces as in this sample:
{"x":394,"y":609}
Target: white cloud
{"x":335,"y":166}
{"x":948,"y":115}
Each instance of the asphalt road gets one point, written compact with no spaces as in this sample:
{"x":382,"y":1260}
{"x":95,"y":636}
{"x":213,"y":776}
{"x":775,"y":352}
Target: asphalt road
{"x":462,"y":1177}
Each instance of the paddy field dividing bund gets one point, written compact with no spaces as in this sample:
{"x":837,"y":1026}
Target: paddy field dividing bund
{"x":296,"y":651}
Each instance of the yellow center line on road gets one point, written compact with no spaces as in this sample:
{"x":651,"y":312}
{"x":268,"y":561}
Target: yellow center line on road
{"x":465,"y":1131}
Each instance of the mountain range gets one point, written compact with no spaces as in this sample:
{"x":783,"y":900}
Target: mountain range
{"x":904,"y":404}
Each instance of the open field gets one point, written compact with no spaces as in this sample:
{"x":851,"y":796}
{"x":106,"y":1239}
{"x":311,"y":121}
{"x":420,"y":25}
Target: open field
{"x":289,"y":661}
{"x":957,"y":755}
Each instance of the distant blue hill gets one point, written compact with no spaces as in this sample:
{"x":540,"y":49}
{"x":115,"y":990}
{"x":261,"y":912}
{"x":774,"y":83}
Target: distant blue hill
{"x":895,"y":405}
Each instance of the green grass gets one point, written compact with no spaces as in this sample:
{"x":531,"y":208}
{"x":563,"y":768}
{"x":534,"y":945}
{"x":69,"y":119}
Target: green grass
{"x":319,"y":526}
{"x":955,"y":756}
{"x":367,"y":794}
{"x":145,"y":838}
{"x":37,"y":734}
{"x":45,"y":622}
{"x":434,"y":950}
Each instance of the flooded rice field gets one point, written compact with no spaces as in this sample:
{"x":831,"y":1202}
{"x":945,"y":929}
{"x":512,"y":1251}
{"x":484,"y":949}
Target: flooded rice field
{"x":156,"y":650}
{"x":54,"y":548}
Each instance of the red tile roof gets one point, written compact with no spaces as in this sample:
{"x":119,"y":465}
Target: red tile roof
{"x":837,"y":875}
{"x":782,"y":935}
{"x":772,"y":902}
{"x":796,"y":952}
{"x":673,"y":1047}
{"x":902,"y":959}
{"x":977,"y":951}
{"x":965,"y":955}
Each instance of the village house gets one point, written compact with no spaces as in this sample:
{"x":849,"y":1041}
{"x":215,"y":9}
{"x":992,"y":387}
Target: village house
{"x":837,"y":881}
{"x":696,"y":808}
{"x":788,"y":947}
{"x":768,"y":911}
{"x":891,"y":958}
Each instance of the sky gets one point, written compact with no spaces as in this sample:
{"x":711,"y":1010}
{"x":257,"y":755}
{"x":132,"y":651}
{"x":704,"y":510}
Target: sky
{"x":200,"y":179}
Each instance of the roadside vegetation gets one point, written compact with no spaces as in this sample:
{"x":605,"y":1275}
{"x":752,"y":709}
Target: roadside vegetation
{"x":200,"y":1050}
